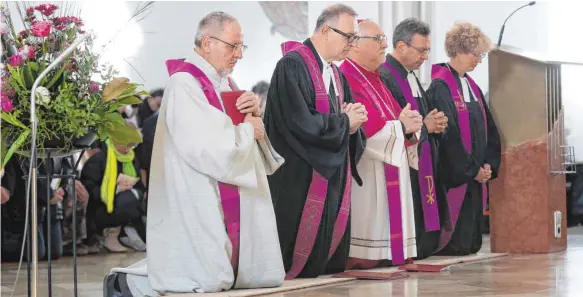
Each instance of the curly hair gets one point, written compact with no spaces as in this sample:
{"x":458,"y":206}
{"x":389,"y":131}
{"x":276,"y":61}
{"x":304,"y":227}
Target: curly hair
{"x":466,"y":38}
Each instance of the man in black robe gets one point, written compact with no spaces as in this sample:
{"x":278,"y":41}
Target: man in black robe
{"x":411,"y":48}
{"x":313,"y":141}
{"x":457,"y":166}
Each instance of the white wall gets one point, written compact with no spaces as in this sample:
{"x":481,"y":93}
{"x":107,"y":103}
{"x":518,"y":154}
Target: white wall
{"x":527,"y":29}
{"x":174,"y":25}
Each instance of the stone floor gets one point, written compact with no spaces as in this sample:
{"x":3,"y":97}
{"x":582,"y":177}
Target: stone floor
{"x":558,"y":274}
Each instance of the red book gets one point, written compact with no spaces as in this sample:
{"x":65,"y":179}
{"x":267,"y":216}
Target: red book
{"x":423,"y":267}
{"x":230,"y":104}
{"x":369,"y":275}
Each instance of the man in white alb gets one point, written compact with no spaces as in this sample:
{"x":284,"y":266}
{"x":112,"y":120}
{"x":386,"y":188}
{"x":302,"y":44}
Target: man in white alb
{"x":211,"y":224}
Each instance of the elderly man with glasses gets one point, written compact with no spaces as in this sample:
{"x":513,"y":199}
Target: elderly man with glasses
{"x":383,"y":227}
{"x":314,"y":124}
{"x":411,"y":47}
{"x":211,"y":224}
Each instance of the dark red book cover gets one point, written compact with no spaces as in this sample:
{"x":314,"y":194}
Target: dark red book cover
{"x":369,"y":275}
{"x":422,"y":267}
{"x":230,"y":103}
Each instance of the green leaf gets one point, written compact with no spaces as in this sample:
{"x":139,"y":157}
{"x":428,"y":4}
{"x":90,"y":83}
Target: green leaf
{"x":124,"y":134}
{"x":15,"y":74}
{"x":11,"y":119}
{"x":55,"y":77}
{"x":33,"y":66}
{"x":114,"y":117}
{"x":15,"y":146}
{"x":28,"y":77}
{"x":123,"y":102}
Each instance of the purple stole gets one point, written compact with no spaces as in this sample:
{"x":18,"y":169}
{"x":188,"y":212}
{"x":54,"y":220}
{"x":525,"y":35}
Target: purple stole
{"x":455,"y":196}
{"x":391,"y":172}
{"x":314,"y":206}
{"x":230,"y":199}
{"x":425,"y":172}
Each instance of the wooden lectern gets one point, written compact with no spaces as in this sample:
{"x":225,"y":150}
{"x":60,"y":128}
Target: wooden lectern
{"x":528,"y":199}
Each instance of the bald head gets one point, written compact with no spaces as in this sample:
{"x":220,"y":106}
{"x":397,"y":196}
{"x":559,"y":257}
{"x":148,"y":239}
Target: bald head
{"x":369,"y":51}
{"x":211,"y":25}
{"x":367,"y":26}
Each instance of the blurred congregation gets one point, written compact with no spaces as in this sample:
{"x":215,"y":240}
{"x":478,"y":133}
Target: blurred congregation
{"x":97,"y":231}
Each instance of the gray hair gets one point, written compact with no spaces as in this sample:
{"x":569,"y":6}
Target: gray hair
{"x":332,"y":13}
{"x":406,"y":29}
{"x":212,"y":22}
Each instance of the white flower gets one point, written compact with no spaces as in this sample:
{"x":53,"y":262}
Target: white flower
{"x":4,"y":29}
{"x":43,"y":95}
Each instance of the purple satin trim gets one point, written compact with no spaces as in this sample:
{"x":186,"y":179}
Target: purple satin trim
{"x":395,"y":215}
{"x":314,"y":206}
{"x":230,"y":198}
{"x":391,"y":180}
{"x":455,"y":196}
{"x":425,"y":172}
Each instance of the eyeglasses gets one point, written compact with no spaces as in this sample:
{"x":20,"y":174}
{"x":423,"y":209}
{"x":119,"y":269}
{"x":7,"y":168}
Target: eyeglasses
{"x":351,"y":37}
{"x":481,"y":56}
{"x":420,"y":50}
{"x":235,"y":47}
{"x":379,"y":38}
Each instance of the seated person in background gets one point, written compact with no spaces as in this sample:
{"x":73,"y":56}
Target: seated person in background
{"x":115,"y":198}
{"x":150,"y":106}
{"x":261,"y":89}
{"x":14,"y":184}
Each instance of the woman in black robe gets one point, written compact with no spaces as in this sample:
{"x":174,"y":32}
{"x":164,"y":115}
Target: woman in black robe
{"x":466,"y":45}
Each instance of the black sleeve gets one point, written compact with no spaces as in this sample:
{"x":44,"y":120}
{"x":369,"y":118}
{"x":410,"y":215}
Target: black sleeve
{"x":494,"y":146}
{"x":357,"y":140}
{"x":321,"y":139}
{"x":460,"y":166}
{"x":92,"y":175}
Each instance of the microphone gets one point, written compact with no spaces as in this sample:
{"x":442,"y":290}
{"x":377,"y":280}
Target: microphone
{"x":503,"y":25}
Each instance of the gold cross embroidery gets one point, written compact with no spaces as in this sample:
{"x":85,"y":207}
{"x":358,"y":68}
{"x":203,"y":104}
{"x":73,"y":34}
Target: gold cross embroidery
{"x":430,"y":196}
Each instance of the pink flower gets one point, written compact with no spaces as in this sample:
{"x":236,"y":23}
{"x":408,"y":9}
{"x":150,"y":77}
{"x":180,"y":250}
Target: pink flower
{"x":27,"y":52}
{"x":41,"y":29}
{"x":30,"y":11}
{"x":15,"y":60}
{"x":31,"y":53}
{"x":46,"y":9}
{"x":6,"y":103}
{"x":93,"y":87}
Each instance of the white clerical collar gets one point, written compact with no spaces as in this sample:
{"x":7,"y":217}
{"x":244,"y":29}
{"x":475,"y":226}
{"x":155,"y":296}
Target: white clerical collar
{"x":207,"y":68}
{"x":327,"y":75}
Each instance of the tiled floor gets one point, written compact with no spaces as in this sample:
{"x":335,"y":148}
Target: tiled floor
{"x":558,"y":274}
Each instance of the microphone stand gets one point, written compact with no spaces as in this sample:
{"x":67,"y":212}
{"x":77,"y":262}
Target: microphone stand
{"x":33,"y":165}
{"x":504,"y":24}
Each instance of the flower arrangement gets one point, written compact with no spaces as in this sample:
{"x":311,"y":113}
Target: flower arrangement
{"x":70,"y":105}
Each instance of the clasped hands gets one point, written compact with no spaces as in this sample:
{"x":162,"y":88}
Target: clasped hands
{"x":248,"y":104}
{"x":357,"y":115}
{"x":436,"y":122}
{"x":484,"y":174}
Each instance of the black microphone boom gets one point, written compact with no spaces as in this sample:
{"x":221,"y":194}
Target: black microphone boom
{"x":504,"y":25}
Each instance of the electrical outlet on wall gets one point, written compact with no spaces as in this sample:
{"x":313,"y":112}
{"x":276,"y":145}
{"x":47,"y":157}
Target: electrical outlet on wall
{"x":558,"y":218}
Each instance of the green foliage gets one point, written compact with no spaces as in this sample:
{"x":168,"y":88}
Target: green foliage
{"x":69,"y":104}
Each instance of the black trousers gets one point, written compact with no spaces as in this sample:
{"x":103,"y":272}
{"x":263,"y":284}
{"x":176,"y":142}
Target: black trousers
{"x":128,"y":211}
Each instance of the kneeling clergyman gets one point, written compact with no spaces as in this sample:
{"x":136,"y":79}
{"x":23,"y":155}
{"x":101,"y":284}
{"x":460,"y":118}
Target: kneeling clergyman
{"x":211,"y":225}
{"x":383,"y":225}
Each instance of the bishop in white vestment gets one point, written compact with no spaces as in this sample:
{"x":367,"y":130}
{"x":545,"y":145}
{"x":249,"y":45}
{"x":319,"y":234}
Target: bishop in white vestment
{"x":198,"y":154}
{"x":383,"y":226}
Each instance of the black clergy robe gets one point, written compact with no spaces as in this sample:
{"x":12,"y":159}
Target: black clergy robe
{"x":427,"y":242}
{"x":457,"y":167}
{"x":309,"y":140}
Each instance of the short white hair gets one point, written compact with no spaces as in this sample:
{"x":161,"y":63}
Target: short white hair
{"x":212,"y":23}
